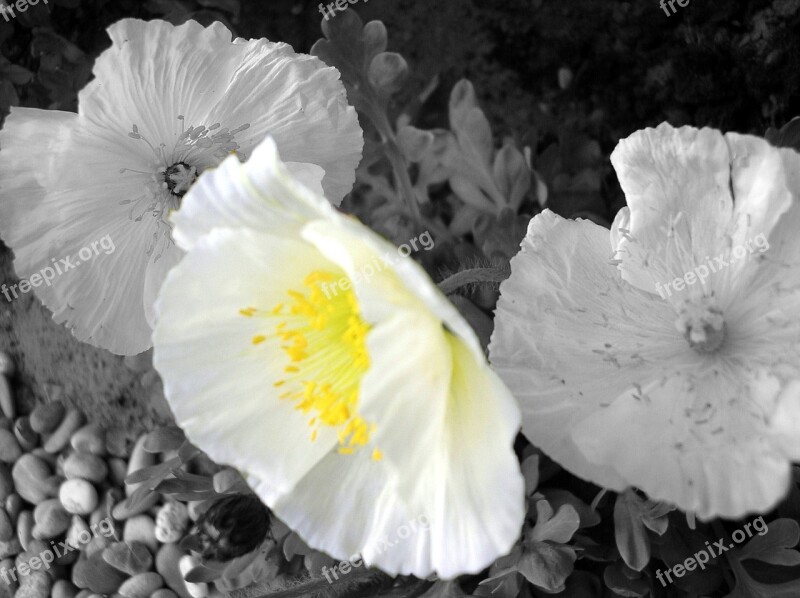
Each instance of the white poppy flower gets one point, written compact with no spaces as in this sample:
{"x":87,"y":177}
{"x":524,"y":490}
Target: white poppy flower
{"x":298,"y":346}
{"x":673,"y":368}
{"x":166,"y":103}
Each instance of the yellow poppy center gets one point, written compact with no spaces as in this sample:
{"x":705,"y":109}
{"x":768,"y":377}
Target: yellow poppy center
{"x":320,"y":330}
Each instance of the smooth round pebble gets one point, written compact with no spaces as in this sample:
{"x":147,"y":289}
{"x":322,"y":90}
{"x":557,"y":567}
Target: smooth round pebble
{"x":29,"y":474}
{"x":79,"y":497}
{"x":6,"y":398}
{"x":27,"y":438}
{"x":25,"y":528}
{"x":46,"y":417}
{"x":13,"y":505}
{"x":89,"y":439}
{"x":86,"y":466}
{"x":164,"y":593}
{"x":60,"y":437}
{"x":10,"y":450}
{"x":35,"y":585}
{"x":6,"y":364}
{"x":141,"y":585}
{"x":50,"y":519}
{"x":95,"y":574}
{"x":6,"y":526}
{"x":141,"y":528}
{"x":64,"y":589}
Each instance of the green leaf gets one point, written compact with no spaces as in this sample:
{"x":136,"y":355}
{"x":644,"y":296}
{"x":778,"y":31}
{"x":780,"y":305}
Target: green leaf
{"x":547,"y":566}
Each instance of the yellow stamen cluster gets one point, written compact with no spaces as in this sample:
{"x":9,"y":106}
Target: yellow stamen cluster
{"x":322,"y":333}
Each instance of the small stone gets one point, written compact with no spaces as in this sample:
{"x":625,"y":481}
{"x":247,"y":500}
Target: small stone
{"x":27,"y":438}
{"x":6,"y":364}
{"x":61,"y":436}
{"x":78,"y":497}
{"x":14,"y":506}
{"x":35,"y":585}
{"x":6,"y":526}
{"x":141,"y":586}
{"x":6,"y":398}
{"x":46,"y":417}
{"x":164,"y":593}
{"x":10,"y":548}
{"x":10,"y":450}
{"x":98,"y":545}
{"x":51,"y":460}
{"x":117,"y":470}
{"x":25,"y":528}
{"x":133,"y":558}
{"x":90,"y":439}
{"x":78,"y":533}
{"x":186,"y":564}
{"x":64,"y":589}
{"x":29,"y":475}
{"x":140,"y":528}
{"x":140,"y":458}
{"x":51,"y":519}
{"x":172,"y":520}
{"x":86,"y":466}
{"x":168,"y":566}
{"x":10,"y":585}
{"x":94,"y":574}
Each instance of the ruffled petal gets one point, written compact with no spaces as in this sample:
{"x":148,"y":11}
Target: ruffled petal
{"x":570,"y":337}
{"x":301,"y":103}
{"x":709,"y":446}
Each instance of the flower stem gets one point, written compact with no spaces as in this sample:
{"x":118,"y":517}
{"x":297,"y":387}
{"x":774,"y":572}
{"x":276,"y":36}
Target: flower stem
{"x":473,"y":276}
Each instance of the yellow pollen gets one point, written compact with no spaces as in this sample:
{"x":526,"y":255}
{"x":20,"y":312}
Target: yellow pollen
{"x":323,"y":335}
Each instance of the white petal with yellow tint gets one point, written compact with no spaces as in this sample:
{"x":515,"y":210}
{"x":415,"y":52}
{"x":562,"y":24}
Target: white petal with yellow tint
{"x":428,"y":433}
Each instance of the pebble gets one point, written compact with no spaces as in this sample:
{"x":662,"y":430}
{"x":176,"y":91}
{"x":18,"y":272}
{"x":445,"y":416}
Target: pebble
{"x":25,"y":528}
{"x":10,"y":450}
{"x":46,"y":417}
{"x":94,"y":574}
{"x":196,"y":590}
{"x":6,"y":526}
{"x":168,"y":566}
{"x":51,"y":519}
{"x":133,"y":558}
{"x":140,"y":458}
{"x":10,"y":548}
{"x":69,"y":425}
{"x":141,"y":585}
{"x":29,"y":475}
{"x":64,"y":589}
{"x":89,"y":439}
{"x":86,"y":466}
{"x":13,"y":506}
{"x":140,"y":528}
{"x":163,"y":593}
{"x":117,"y":470}
{"x":78,"y":496}
{"x":6,"y":364}
{"x":52,"y":485}
{"x":27,"y":438}
{"x":78,"y":533}
{"x":35,"y":585}
{"x":172,"y":520}
{"x":6,"y":398}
